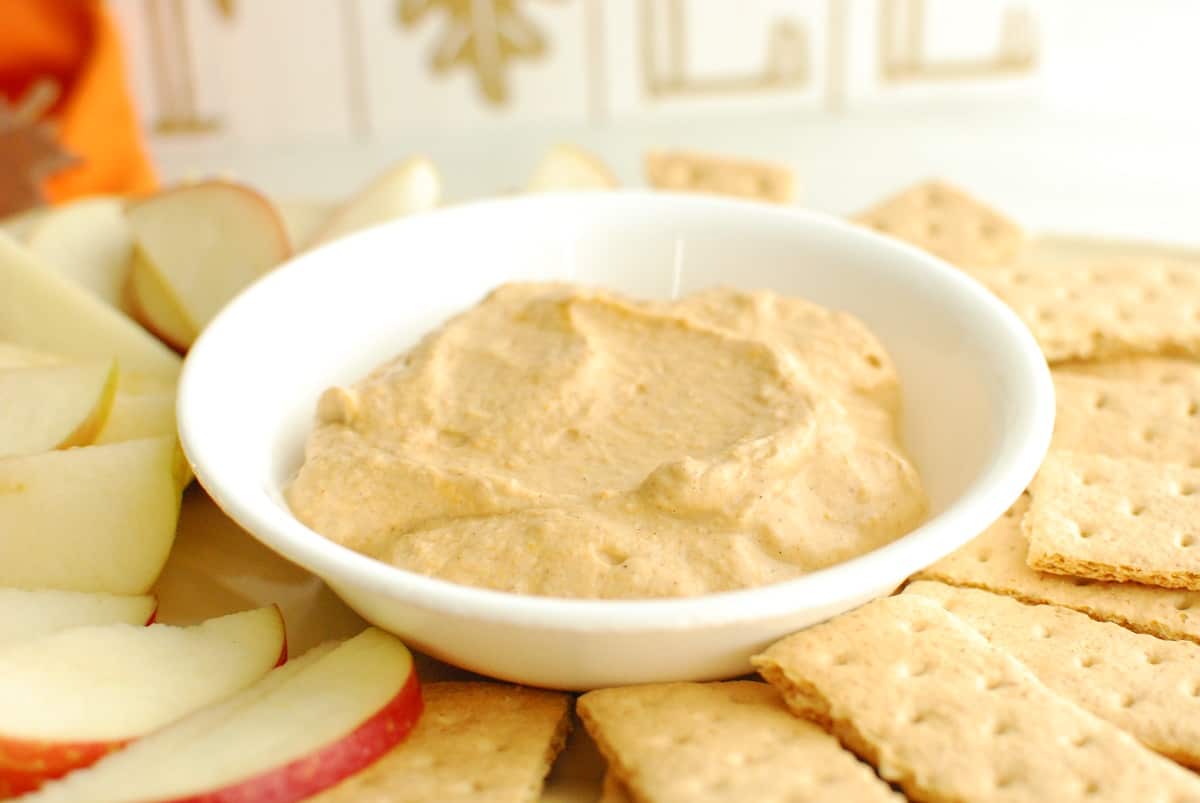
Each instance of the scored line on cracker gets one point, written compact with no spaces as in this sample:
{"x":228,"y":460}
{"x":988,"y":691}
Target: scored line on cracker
{"x":996,"y":561}
{"x":1146,"y":685}
{"x":939,"y":711}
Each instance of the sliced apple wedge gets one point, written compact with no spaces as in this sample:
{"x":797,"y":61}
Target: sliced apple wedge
{"x":138,"y":415}
{"x":71,"y":697}
{"x":15,"y":356}
{"x":304,"y":219}
{"x":205,"y":241}
{"x":411,"y":186}
{"x":54,"y":406}
{"x":41,"y":310}
{"x":97,"y":518}
{"x":30,"y":614}
{"x":89,"y":242}
{"x":135,"y":383}
{"x":149,"y":414}
{"x":19,"y":226}
{"x":567,"y":167}
{"x":301,"y":729}
{"x":155,"y":306}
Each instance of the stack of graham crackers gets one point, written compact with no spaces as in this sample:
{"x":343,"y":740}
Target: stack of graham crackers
{"x":1054,"y":658}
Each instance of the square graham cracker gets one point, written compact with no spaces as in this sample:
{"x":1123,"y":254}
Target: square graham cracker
{"x":682,"y":171}
{"x":720,"y":741}
{"x":474,"y":742}
{"x":1104,"y":310}
{"x":996,"y":561}
{"x":948,"y":717}
{"x":949,"y":223}
{"x":1120,"y":520}
{"x":1145,"y":685}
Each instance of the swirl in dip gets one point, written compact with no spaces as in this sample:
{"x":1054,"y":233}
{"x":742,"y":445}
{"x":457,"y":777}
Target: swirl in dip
{"x":565,"y":441}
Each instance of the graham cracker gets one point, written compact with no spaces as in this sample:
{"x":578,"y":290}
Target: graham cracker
{"x":996,"y":561}
{"x":720,"y":742}
{"x":1120,"y":418}
{"x":474,"y":742}
{"x":948,"y":717}
{"x":1122,"y":520}
{"x":949,"y":223}
{"x":1147,"y":370}
{"x":683,"y":171}
{"x":1145,"y":685}
{"x":1104,"y":310}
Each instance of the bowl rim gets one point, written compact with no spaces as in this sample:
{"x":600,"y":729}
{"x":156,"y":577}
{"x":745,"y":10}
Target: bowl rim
{"x":981,"y":503}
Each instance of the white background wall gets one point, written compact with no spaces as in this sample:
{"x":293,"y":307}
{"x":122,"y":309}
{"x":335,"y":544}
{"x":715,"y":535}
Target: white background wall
{"x":1101,"y":138}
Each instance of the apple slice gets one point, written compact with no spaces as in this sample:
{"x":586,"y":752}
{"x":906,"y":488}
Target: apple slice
{"x":145,"y":415}
{"x":135,"y":383}
{"x":131,"y":382}
{"x":206,"y":720}
{"x":207,"y":241}
{"x":155,"y":306}
{"x":54,"y":406}
{"x":40,"y":309}
{"x":69,"y":698}
{"x":567,"y":167}
{"x":97,"y":518}
{"x":138,"y":415}
{"x":19,"y":226}
{"x":14,"y":356}
{"x":89,"y":242}
{"x":29,"y":614}
{"x":411,"y":186}
{"x":299,"y":730}
{"x":304,"y":219}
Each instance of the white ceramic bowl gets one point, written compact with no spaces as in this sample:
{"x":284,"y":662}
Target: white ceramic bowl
{"x":978,"y":400}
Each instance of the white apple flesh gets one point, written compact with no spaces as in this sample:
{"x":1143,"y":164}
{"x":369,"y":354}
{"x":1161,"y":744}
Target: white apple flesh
{"x":54,"y":406}
{"x":138,"y":415}
{"x":31,"y":614}
{"x":88,"y":242}
{"x":301,"y":729}
{"x":409,"y":187}
{"x":202,"y":243}
{"x":44,"y":311}
{"x":19,"y":226}
{"x":94,"y":519}
{"x":71,"y":697}
{"x":134,"y":383}
{"x":155,"y":306}
{"x":14,"y":356}
{"x":304,"y":219}
{"x":566,"y":167}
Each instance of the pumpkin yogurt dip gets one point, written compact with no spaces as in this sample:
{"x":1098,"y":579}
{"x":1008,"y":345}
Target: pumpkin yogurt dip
{"x":565,"y":441}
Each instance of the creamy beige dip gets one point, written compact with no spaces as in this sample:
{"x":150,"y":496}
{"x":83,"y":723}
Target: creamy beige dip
{"x":564,"y":441}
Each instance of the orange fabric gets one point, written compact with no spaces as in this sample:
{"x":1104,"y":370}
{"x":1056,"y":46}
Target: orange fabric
{"x":75,"y":43}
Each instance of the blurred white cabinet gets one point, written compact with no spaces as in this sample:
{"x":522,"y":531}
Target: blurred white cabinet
{"x":264,"y":71}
